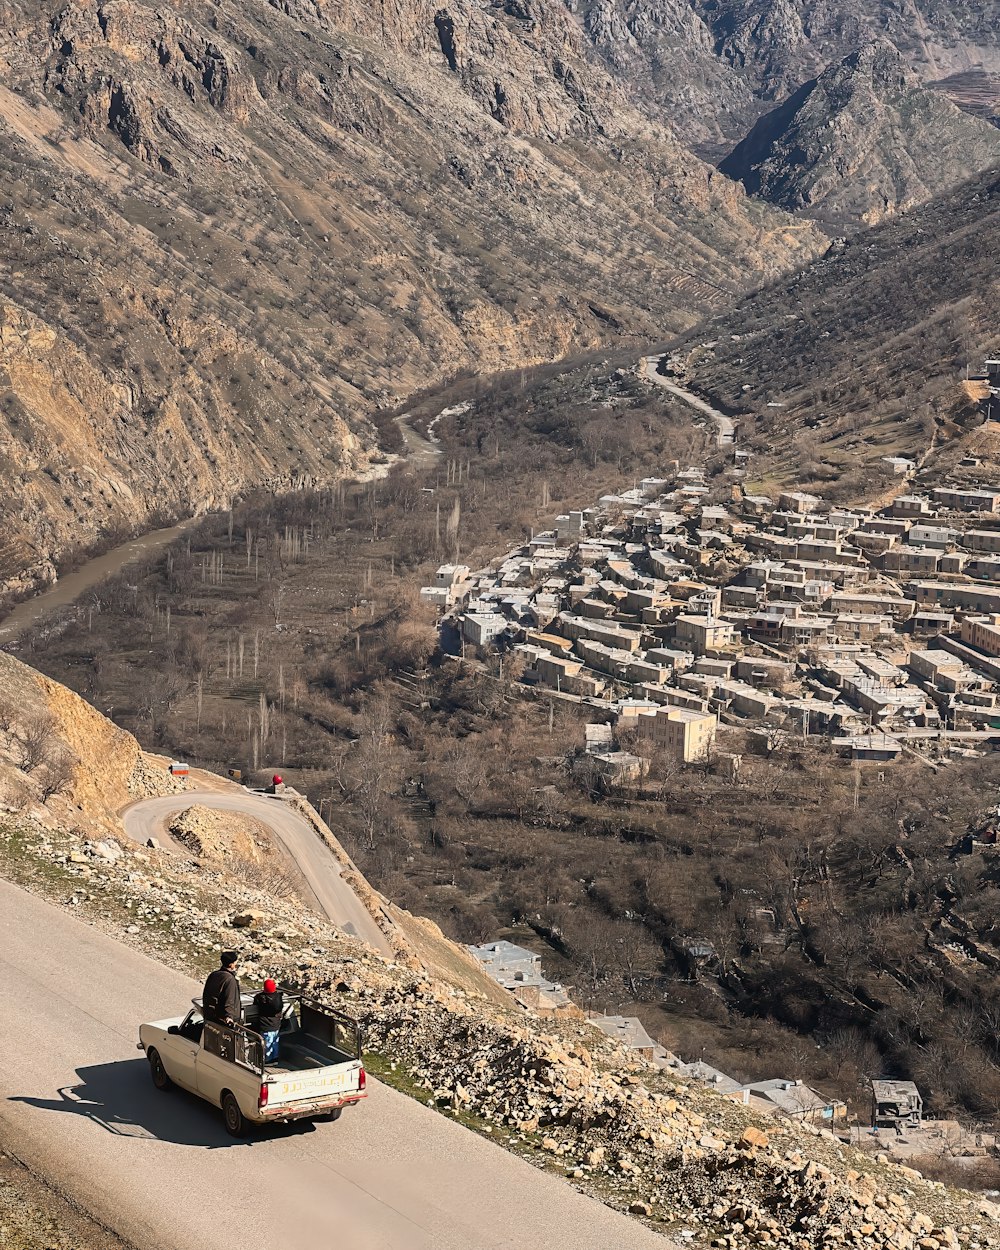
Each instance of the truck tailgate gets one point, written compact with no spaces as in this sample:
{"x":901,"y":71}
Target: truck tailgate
{"x":339,"y":1081}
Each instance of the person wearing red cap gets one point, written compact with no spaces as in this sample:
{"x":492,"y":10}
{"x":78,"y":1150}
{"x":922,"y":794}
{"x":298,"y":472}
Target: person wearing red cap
{"x":270,"y":1004}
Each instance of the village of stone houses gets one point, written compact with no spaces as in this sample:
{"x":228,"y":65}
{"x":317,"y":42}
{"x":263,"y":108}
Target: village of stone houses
{"x":697,"y":631}
{"x":679,"y":619}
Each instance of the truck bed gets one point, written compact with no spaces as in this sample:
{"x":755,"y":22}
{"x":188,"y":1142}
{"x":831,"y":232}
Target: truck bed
{"x":296,"y":1057}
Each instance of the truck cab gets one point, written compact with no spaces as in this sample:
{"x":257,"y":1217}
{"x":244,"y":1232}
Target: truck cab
{"x":317,"y":1071}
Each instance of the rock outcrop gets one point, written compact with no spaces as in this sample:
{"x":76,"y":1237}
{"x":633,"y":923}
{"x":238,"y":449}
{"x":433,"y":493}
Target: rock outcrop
{"x":712,"y":68}
{"x":55,"y":749}
{"x":862,"y":141}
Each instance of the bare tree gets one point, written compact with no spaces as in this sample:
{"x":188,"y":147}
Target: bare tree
{"x":57,"y":773}
{"x":37,"y":741}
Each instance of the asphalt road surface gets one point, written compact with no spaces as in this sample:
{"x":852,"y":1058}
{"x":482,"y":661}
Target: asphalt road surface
{"x":77,"y":1105}
{"x":315,"y":860}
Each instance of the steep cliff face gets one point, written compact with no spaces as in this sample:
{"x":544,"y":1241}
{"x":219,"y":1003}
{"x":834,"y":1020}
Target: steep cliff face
{"x":862,"y":141}
{"x":229,"y":230}
{"x":714,"y":66}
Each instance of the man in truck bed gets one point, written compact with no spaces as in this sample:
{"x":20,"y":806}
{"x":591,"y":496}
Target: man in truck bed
{"x":221,"y":996}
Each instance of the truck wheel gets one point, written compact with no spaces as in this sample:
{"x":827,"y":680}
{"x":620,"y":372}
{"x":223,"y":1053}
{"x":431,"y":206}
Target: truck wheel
{"x":158,"y":1072}
{"x":335,"y":1114}
{"x":235,"y":1121}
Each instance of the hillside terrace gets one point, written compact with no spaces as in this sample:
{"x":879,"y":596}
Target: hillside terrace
{"x":780,"y":612}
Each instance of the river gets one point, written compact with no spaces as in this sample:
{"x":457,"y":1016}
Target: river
{"x":419,"y":453}
{"x":69,"y":588}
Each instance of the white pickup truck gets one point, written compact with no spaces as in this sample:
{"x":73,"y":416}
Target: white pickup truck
{"x":317,"y":1073}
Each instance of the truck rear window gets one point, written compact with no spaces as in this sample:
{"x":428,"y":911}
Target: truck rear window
{"x":234,"y":1046}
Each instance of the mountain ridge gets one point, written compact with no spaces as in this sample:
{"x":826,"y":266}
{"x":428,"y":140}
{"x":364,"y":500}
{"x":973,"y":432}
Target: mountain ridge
{"x":860,"y":142}
{"x":241,"y":229}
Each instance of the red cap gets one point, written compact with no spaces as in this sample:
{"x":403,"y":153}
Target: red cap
{"x":276,"y":779}
{"x":270,"y":985}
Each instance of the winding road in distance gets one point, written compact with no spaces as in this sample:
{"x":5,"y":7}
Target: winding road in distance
{"x":77,"y":1105}
{"x":317,"y":863}
{"x":725,"y":426}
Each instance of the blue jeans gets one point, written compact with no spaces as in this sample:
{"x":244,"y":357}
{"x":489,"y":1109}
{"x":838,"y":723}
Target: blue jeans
{"x":270,"y":1046}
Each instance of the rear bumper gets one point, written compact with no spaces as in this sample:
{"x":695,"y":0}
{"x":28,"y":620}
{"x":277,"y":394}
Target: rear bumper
{"x":304,"y":1110}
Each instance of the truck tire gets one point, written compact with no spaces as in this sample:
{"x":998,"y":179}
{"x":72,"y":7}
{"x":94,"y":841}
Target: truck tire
{"x":233,"y":1117}
{"x":335,"y":1114}
{"x":158,"y":1072}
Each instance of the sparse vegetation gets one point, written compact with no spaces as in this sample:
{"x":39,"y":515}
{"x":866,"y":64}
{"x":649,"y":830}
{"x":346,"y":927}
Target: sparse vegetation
{"x":832,"y":909}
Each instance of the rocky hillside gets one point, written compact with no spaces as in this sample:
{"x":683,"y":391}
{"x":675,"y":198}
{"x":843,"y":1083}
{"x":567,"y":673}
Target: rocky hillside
{"x":863,"y":353}
{"x":230,"y":230}
{"x":59,"y":755}
{"x":713,"y":66}
{"x":862,"y":141}
{"x":558,"y":1092}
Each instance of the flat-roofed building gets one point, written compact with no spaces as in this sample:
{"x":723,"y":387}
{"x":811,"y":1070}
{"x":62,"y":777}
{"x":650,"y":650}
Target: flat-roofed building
{"x":983,"y":633}
{"x":982,"y":540}
{"x":480,"y":628}
{"x":847,"y":604}
{"x":920,"y":561}
{"x":967,"y":499}
{"x":848,"y":628}
{"x":682,"y":733}
{"x":930,"y":624}
{"x":912,"y":506}
{"x":702,"y":634}
{"x":934,"y":663}
{"x":965,"y":595}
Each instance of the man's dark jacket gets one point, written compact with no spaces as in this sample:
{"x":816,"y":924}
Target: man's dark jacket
{"x":221,"y":997}
{"x":269,"y":1008}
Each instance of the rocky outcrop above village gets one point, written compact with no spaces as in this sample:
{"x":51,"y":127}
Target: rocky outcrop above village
{"x":862,"y":141}
{"x":230,"y":234}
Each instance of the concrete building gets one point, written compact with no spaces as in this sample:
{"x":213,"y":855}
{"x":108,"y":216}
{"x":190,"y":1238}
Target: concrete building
{"x":630,"y":1032}
{"x":966,"y":499}
{"x":481,"y":628}
{"x":792,"y":1099}
{"x":519,"y":971}
{"x":451,"y":574}
{"x":878,"y":748}
{"x":983,"y":633}
{"x":682,"y":733}
{"x":702,"y":634}
{"x":911,"y":506}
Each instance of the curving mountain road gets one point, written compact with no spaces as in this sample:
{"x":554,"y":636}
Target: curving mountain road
{"x":77,"y":1104}
{"x":317,"y":863}
{"x":725,"y":426}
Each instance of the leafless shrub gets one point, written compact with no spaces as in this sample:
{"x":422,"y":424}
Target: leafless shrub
{"x":277,"y":882}
{"x":37,"y":742}
{"x":977,"y":1174}
{"x":56,"y":772}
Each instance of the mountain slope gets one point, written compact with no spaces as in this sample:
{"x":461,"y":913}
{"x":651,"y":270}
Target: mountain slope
{"x":862,"y":354}
{"x":229,"y":231}
{"x":860,"y":142}
{"x":713,"y":66}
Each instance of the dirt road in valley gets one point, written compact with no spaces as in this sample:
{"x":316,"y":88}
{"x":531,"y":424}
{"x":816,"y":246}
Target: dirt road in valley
{"x":725,"y":426}
{"x":77,"y":1104}
{"x":317,"y":863}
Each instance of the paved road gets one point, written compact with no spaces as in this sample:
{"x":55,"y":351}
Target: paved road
{"x":315,"y":860}
{"x":76,"y":1103}
{"x":726,"y":426}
